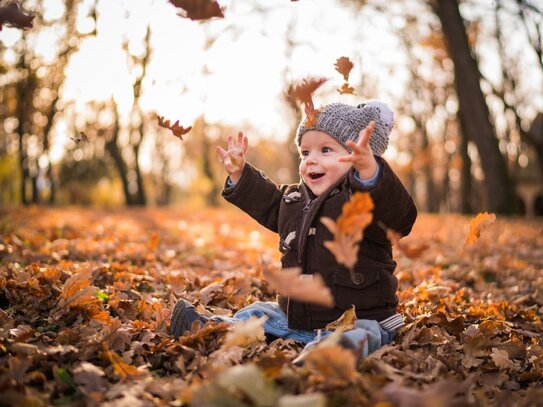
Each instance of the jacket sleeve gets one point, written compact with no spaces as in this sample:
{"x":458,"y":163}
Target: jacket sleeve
{"x":394,"y":207}
{"x":256,"y":195}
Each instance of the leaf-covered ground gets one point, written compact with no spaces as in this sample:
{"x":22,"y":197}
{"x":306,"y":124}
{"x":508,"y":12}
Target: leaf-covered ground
{"x":85,"y":298}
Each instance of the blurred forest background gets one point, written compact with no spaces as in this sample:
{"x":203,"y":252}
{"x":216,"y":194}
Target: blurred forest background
{"x":465,"y":79}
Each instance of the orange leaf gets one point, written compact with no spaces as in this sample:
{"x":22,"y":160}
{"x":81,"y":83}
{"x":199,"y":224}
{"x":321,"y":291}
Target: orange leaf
{"x":199,"y":9}
{"x":349,"y":228}
{"x":177,"y":130}
{"x":121,"y":368}
{"x":344,"y":66}
{"x":477,"y":225}
{"x":411,"y":252}
{"x":302,"y":92}
{"x":302,"y":287}
{"x":346,"y":89}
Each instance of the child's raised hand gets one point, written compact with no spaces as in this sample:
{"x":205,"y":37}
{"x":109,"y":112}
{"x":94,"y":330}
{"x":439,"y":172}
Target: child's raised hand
{"x":233,"y":159}
{"x":361,"y":156}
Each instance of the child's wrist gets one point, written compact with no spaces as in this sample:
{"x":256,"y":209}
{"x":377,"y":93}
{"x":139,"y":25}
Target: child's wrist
{"x":368,"y":171}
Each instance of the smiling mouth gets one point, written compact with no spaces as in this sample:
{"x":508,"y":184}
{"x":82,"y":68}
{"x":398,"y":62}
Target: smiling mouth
{"x":315,"y":175}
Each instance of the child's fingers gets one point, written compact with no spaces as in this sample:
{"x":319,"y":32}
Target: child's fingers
{"x":230,"y":141}
{"x":347,"y":159}
{"x":221,"y":152}
{"x":365,"y":134}
{"x":244,"y":144}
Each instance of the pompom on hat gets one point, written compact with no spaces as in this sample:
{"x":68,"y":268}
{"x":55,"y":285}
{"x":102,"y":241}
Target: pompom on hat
{"x":344,"y":122}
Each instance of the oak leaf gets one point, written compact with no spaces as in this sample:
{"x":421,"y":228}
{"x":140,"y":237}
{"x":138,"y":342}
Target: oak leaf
{"x":345,"y":322}
{"x":344,"y":66}
{"x":349,"y":227}
{"x":477,"y":225}
{"x":301,"y":287}
{"x":199,"y":9}
{"x":302,"y":92}
{"x":177,"y":130}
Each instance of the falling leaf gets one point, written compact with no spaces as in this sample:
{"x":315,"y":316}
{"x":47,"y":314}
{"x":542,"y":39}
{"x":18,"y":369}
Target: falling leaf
{"x":345,"y":322}
{"x":246,"y":333}
{"x":177,"y":130}
{"x":80,"y":137}
{"x":477,"y":225}
{"x":301,"y":287}
{"x":344,"y":66}
{"x":346,"y":89}
{"x":349,"y":228}
{"x":12,"y":15}
{"x":302,"y":92}
{"x":410,"y":251}
{"x":199,"y":9}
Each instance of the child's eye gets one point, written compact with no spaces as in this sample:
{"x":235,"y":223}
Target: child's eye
{"x":304,"y":153}
{"x":326,"y":149}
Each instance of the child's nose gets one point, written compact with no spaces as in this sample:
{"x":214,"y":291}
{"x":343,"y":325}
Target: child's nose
{"x":311,"y":159}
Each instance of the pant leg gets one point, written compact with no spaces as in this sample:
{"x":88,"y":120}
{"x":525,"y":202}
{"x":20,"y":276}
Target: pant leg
{"x":276,"y":323}
{"x":367,"y":335}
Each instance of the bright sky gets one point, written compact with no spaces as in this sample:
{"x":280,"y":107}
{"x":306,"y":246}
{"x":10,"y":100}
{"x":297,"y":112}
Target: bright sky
{"x":246,"y":65}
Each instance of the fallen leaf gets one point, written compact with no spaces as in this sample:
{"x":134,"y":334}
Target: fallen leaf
{"x":301,"y":287}
{"x":122,"y":369}
{"x":345,"y":322}
{"x":332,"y":364}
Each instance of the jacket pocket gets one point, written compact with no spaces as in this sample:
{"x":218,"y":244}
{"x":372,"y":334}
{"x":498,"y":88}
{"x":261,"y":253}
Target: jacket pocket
{"x":364,"y":292}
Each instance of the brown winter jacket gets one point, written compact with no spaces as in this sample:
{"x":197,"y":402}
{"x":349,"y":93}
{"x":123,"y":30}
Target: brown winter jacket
{"x":294,"y":212}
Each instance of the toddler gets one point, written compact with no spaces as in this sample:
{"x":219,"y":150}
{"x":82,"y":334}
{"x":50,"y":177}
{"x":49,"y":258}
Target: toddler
{"x":339,"y":155}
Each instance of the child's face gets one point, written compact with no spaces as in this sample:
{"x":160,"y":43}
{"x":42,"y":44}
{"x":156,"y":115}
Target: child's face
{"x":319,"y":166}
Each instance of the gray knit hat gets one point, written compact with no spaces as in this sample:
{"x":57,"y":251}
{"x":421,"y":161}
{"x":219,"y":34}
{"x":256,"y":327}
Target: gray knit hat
{"x":344,"y":122}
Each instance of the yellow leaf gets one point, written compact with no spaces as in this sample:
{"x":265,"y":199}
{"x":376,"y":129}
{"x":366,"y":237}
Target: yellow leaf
{"x":344,"y":322}
{"x":333,"y":364}
{"x":305,"y":288}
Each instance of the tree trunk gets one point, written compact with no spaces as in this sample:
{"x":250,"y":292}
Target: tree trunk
{"x":500,"y":193}
{"x":115,"y":153}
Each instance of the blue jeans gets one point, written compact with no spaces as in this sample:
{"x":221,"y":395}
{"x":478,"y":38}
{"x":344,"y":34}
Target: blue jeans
{"x":367,"y":332}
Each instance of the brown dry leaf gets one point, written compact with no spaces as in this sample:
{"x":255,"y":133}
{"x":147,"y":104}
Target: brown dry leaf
{"x":177,"y":130}
{"x":246,"y":333}
{"x":410,"y":251}
{"x":344,"y":66}
{"x":346,"y":89}
{"x":335,"y":365}
{"x":12,"y":16}
{"x":121,"y":368}
{"x":154,"y":242}
{"x":501,"y":359}
{"x":349,"y":228}
{"x":77,"y":291}
{"x":477,"y":225}
{"x":345,"y":322}
{"x":199,"y":9}
{"x":301,"y":287}
{"x":302,"y":92}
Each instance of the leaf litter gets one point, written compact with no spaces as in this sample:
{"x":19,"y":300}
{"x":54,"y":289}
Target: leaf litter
{"x":85,"y":299}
